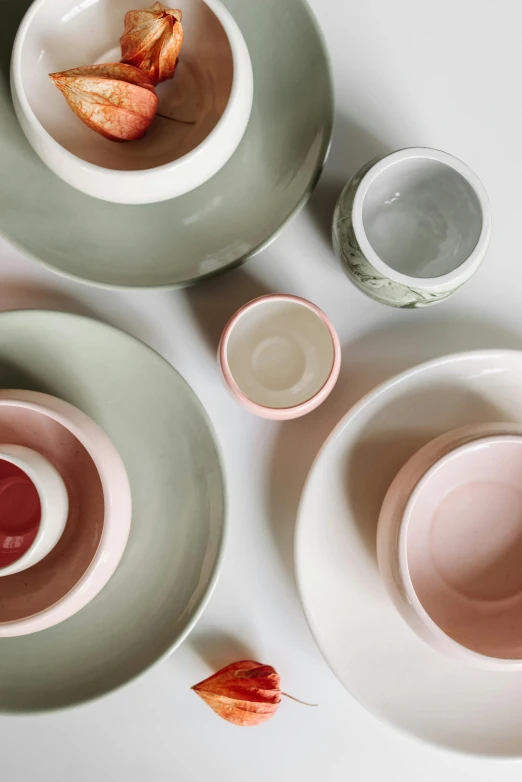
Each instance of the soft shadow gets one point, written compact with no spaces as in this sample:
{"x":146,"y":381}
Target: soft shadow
{"x":218,"y":649}
{"x":14,"y":376}
{"x":215,"y":301}
{"x":373,"y":462}
{"x":422,"y":335}
{"x":367,"y":361}
{"x":55,"y":379}
{"x":352,"y":147}
{"x":12,"y":13}
{"x":20,"y":295}
{"x":369,"y":471}
{"x":54,"y":376}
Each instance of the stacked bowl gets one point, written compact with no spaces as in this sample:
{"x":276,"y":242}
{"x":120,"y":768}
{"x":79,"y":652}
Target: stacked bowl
{"x":449,"y":544}
{"x":65,"y":511}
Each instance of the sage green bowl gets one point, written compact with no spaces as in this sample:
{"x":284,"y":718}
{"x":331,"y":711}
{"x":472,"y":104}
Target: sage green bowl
{"x":175,"y":546}
{"x":218,"y":225}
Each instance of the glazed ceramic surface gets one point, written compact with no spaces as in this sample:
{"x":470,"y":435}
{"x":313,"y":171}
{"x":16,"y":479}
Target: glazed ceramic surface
{"x":211,"y":94}
{"x":153,"y":599}
{"x":280,"y":356}
{"x":461,"y":542}
{"x":116,"y":510}
{"x":450,"y":571}
{"x":213,"y":228}
{"x":412,"y":227}
{"x":371,"y":649}
{"x":20,"y":513}
{"x":52,"y":511}
{"x":26,"y":597}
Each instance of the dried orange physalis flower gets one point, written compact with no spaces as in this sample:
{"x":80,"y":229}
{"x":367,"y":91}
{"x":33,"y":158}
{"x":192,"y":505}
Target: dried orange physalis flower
{"x":244,"y":693}
{"x":152,"y":40}
{"x":116,"y":100}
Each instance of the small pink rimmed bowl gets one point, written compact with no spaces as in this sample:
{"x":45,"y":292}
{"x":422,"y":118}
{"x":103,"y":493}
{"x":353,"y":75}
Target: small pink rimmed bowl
{"x":449,"y":545}
{"x":280,"y":356}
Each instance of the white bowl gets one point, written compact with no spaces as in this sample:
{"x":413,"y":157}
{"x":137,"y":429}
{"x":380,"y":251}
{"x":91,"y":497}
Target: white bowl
{"x":451,"y":585}
{"x":116,"y":515}
{"x":412,"y":227}
{"x":212,"y":88}
{"x":54,"y":504}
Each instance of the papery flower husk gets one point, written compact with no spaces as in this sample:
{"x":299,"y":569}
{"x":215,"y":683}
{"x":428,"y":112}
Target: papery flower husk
{"x":114,"y":99}
{"x":244,"y":693}
{"x":152,"y":41}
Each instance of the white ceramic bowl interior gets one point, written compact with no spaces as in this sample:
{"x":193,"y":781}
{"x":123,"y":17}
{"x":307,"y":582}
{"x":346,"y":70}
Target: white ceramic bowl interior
{"x":211,"y":93}
{"x":278,"y":353}
{"x":117,"y":501}
{"x":54,"y":504}
{"x":422,"y":214}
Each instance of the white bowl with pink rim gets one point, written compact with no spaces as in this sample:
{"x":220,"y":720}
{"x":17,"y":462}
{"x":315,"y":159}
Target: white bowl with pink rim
{"x":117,"y":508}
{"x":449,"y":545}
{"x":280,"y":356}
{"x":210,"y":95}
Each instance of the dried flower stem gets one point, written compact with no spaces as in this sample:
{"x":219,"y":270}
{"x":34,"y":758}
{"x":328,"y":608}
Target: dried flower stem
{"x":244,"y":693}
{"x":174,"y":119}
{"x":303,"y":703}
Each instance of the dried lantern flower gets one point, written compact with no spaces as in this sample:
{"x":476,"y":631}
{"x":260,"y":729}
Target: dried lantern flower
{"x":243,"y":693}
{"x":114,"y":99}
{"x":152,"y":41}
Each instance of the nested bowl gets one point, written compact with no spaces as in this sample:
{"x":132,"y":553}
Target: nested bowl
{"x":208,"y":101}
{"x":449,"y":543}
{"x":99,"y":518}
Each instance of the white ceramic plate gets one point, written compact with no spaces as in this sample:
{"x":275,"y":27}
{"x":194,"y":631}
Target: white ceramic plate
{"x":376,"y":656}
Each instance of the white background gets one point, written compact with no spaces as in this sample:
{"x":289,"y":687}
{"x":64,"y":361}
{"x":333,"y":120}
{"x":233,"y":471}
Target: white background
{"x":444,"y":73}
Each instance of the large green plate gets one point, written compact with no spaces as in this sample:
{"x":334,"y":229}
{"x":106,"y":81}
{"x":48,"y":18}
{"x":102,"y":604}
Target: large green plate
{"x":215,"y":227}
{"x":171,"y":562}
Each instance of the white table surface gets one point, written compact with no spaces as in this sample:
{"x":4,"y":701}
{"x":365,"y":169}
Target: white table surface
{"x":445,"y":74}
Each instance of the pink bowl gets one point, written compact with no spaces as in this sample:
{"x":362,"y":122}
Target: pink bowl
{"x":450,"y":545}
{"x":98,"y":525}
{"x":280,"y":356}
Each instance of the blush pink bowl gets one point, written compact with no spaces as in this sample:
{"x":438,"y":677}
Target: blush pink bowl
{"x":98,"y":526}
{"x":280,"y":356}
{"x":449,"y":545}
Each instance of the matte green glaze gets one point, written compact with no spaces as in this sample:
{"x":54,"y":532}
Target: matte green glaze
{"x":213,"y":228}
{"x":173,"y":555}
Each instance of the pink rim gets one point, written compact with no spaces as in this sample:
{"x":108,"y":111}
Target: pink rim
{"x":280,"y":413}
{"x":117,"y":515}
